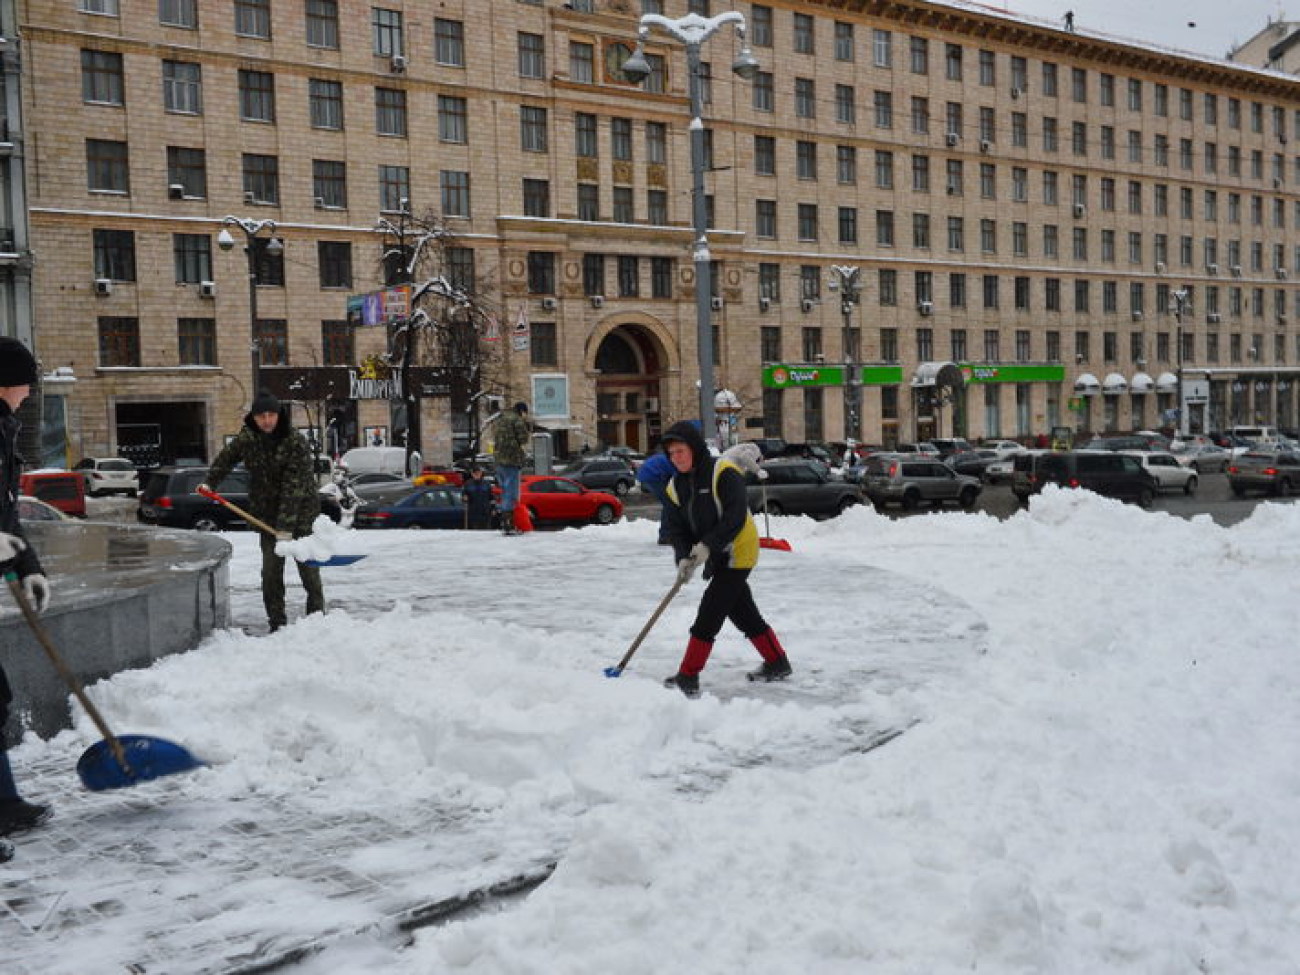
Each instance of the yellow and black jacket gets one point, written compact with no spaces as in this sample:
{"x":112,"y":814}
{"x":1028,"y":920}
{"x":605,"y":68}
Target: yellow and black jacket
{"x":709,"y":504}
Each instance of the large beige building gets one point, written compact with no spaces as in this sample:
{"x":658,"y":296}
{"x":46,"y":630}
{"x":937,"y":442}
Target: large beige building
{"x":1050,"y":228}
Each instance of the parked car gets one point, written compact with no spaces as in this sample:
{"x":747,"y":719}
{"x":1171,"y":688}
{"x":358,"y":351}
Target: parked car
{"x":108,"y":475}
{"x":603,"y":474}
{"x":908,"y":481}
{"x":770,"y":446}
{"x":1000,"y":471}
{"x":375,"y":483}
{"x":34,"y":509}
{"x":1206,"y":458}
{"x":168,"y":499}
{"x":924,"y":447}
{"x":1262,"y":469}
{"x":799,"y":487}
{"x":383,"y":460}
{"x":1164,"y":467}
{"x":66,"y":490}
{"x":1106,"y":472}
{"x":565,"y":501}
{"x":1129,"y":443}
{"x":972,"y":463}
{"x":1003,"y":448}
{"x":634,"y":458}
{"x":812,"y":451}
{"x":429,"y":507}
{"x":947,"y":446}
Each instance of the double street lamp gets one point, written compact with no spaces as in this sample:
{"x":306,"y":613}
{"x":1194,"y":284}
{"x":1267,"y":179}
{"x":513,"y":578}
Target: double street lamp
{"x":848,"y":281}
{"x":1180,"y":306}
{"x":274,"y":248}
{"x":693,"y":30}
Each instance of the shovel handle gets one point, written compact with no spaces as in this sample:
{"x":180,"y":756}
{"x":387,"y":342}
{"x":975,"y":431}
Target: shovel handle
{"x":256,"y":522}
{"x":654,"y":617}
{"x":69,"y":678}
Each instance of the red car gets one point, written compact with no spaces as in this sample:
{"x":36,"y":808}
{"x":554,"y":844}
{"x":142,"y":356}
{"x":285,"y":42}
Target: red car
{"x":558,"y":499}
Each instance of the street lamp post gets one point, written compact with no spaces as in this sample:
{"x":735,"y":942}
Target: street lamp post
{"x":848,"y":279}
{"x":693,"y":30}
{"x":1180,"y":302}
{"x":225,"y":240}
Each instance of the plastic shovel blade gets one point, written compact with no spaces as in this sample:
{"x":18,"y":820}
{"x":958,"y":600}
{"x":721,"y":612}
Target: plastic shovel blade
{"x":334,"y":560}
{"x":780,"y":544}
{"x":613,"y":671}
{"x":146,"y":758}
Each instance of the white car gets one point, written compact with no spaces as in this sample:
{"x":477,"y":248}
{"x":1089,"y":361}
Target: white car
{"x":1004,"y":448}
{"x":108,"y":475}
{"x":1164,"y":467}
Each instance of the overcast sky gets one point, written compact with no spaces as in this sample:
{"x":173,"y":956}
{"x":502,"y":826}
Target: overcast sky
{"x":1218,"y":25}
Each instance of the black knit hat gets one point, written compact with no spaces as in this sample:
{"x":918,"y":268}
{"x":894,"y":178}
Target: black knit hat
{"x":521,"y":407}
{"x":264,"y":403}
{"x":17,"y":364}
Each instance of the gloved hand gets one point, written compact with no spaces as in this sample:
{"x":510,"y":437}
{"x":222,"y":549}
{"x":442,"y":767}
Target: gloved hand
{"x":694,"y":559}
{"x":762,"y":474}
{"x":37,"y":590}
{"x":10,"y":546}
{"x":203,"y":489}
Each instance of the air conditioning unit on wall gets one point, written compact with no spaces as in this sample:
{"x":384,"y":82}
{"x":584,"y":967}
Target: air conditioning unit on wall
{"x":207,"y":289}
{"x":103,"y":286}
{"x":715,"y":304}
{"x":549,"y":304}
{"x":764,"y":303}
{"x":597,"y":301}
{"x":925,"y":307}
{"x":808,"y":305}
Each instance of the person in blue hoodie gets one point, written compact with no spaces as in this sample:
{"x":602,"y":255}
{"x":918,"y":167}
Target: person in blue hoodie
{"x":709,"y":526}
{"x":653,"y":475}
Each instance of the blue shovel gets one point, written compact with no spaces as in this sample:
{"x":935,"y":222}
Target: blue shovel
{"x":263,"y":526}
{"x":114,"y":762}
{"x":617,"y":670}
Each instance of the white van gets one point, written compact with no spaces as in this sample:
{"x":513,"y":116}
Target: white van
{"x":381,"y":460}
{"x":1256,"y":434}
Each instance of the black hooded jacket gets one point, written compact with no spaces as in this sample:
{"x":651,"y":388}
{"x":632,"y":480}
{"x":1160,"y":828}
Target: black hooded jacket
{"x":709,"y":504}
{"x":26,"y":563}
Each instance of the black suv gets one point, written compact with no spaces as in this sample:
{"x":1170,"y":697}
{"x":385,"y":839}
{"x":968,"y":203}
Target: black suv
{"x":1104,"y":472}
{"x":168,"y":499}
{"x":799,"y":487}
{"x":611,"y":474}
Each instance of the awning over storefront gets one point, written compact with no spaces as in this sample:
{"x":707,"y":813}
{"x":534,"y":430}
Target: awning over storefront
{"x":938,"y":374}
{"x":1087,"y":385}
{"x":1167,"y":382}
{"x":1141,"y":383}
{"x":1114,"y":384}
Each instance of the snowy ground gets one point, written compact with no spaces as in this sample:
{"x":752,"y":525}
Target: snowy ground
{"x":1096,"y":770}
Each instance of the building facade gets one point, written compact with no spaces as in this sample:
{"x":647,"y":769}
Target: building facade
{"x":1049,"y":229}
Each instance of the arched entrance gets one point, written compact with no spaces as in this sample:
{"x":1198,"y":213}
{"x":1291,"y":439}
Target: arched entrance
{"x":630,"y":361}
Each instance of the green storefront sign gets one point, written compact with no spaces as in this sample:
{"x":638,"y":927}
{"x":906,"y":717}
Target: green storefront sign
{"x":790,"y":376}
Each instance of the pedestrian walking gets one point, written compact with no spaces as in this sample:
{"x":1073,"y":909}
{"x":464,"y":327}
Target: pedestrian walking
{"x":653,"y":475}
{"x":282,"y":492}
{"x":709,"y":526}
{"x":476,"y":493}
{"x":510,"y":453}
{"x":18,"y":373}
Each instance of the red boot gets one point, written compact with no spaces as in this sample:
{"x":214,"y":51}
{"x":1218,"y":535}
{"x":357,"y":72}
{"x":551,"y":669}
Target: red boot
{"x":776,"y":665}
{"x":687,"y":678}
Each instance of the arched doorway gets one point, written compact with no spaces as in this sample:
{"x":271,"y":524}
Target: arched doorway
{"x":629,"y":362}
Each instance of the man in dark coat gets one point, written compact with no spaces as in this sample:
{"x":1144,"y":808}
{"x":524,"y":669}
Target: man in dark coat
{"x":708,"y":523}
{"x":282,"y":492}
{"x":18,"y":373}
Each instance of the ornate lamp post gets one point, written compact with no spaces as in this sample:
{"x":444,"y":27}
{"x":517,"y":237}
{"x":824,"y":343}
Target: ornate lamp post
{"x":225,"y":240}
{"x":693,"y":30}
{"x":848,"y":279}
{"x":1180,"y":305}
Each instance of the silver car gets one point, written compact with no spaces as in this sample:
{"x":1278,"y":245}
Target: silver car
{"x":908,"y":480}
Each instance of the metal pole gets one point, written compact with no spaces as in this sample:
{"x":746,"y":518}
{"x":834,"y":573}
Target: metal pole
{"x":1180,"y":297}
{"x":701,"y":256}
{"x":850,"y":296}
{"x":255,"y":346}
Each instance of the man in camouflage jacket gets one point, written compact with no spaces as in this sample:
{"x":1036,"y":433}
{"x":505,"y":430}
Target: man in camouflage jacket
{"x":282,"y":492}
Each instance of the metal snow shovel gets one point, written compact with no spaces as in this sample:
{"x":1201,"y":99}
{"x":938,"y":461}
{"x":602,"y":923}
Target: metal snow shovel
{"x":766,"y":540}
{"x":114,"y":762}
{"x":259,"y":524}
{"x":617,"y":670}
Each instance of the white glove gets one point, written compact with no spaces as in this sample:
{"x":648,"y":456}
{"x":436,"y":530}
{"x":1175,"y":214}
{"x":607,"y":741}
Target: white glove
{"x":37,"y":590}
{"x":202,"y":489}
{"x":10,"y":546}
{"x":762,"y":474}
{"x":694,"y":559}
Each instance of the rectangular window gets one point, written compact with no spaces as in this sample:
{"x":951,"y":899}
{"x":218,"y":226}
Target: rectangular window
{"x":882,"y":49}
{"x":253,"y":18}
{"x":657,"y":207}
{"x":764,"y":155}
{"x":261,"y":178}
{"x":593,"y":274}
{"x":271,"y":336}
{"x":541,"y":273}
{"x":952,"y":61}
{"x":846,"y":165}
{"x":584,"y":131}
{"x":888,"y":289}
{"x":620,"y":138}
{"x":394,"y":189}
{"x":845,"y":102}
{"x":532,"y":55}
{"x":582,"y":62}
{"x":805,"y":98}
{"x":449,"y":43}
{"x":178,"y":13}
{"x":542,"y":347}
{"x":256,"y":96}
{"x":192,"y":258}
{"x":624,"y":210}
{"x":197,"y":341}
{"x":453,"y":115}
{"x":335,"y":260}
{"x":390,"y":112}
{"x":844,"y":46}
{"x":454,"y":187}
{"x":807,"y":221}
{"x":325,"y":103}
{"x":588,"y":201}
{"x":920,"y":231}
{"x":323,"y":24}
{"x":806,"y":160}
{"x":182,"y":87}
{"x":920,"y":115}
{"x":101,"y":77}
{"x":803,"y":35}
{"x":848,"y":225}
{"x":187,"y":168}
{"x":760,"y":24}
{"x":329,"y":183}
{"x":765,"y":219}
{"x":533,"y":132}
{"x":386,"y":31}
{"x":919,"y":55}
{"x":764,"y":96}
{"x":119,"y":341}
{"x":629,"y":276}
{"x":661,"y":277}
{"x":537,"y":198}
{"x":114,"y":254}
{"x":921,"y":174}
{"x":107,"y":166}
{"x":337,"y":342}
